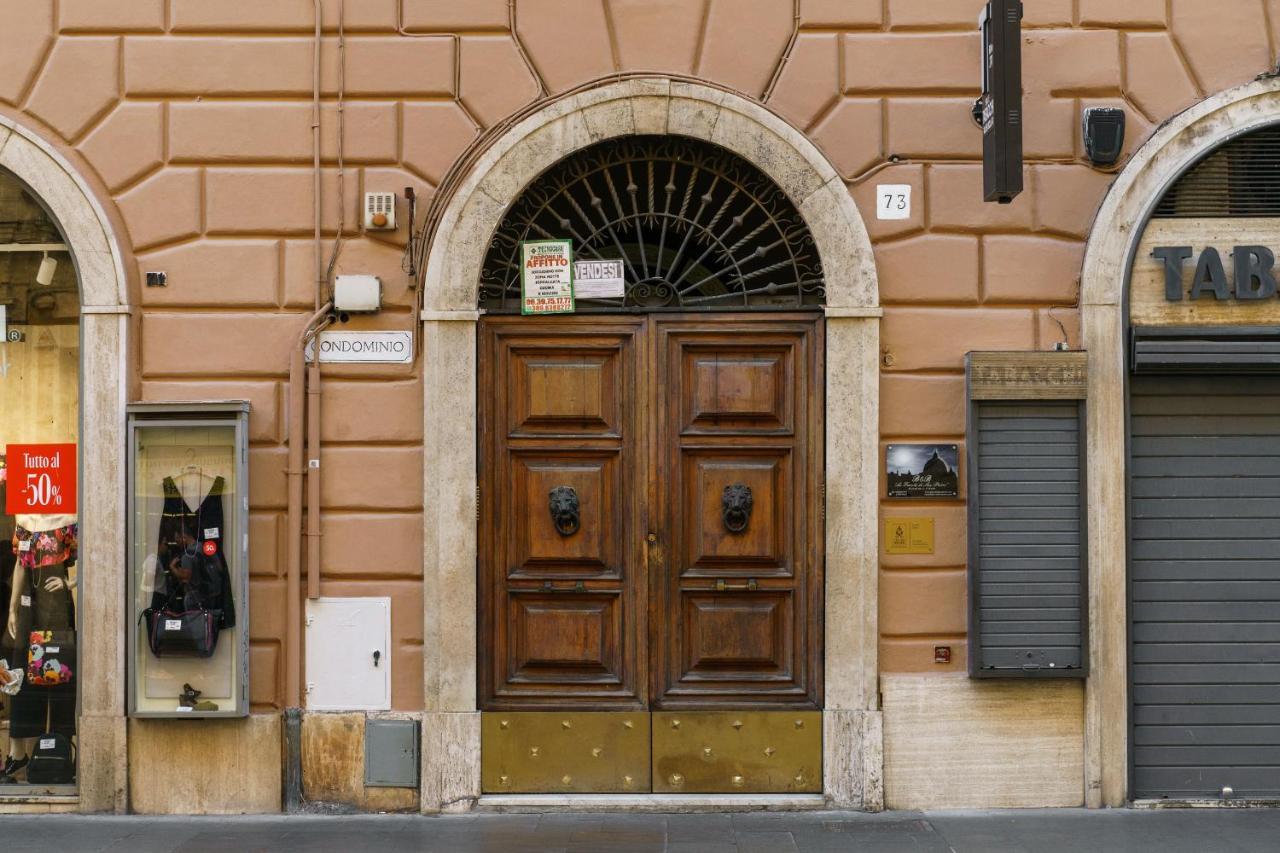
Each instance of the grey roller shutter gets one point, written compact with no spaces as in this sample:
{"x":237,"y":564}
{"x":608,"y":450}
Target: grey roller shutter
{"x":1026,"y":539}
{"x":1205,"y":586}
{"x":1205,"y":349}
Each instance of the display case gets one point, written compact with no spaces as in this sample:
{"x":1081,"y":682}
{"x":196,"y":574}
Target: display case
{"x":188,"y":559}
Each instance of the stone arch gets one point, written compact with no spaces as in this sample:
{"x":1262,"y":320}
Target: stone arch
{"x":1117,"y":228}
{"x":104,"y":330}
{"x":649,"y":105}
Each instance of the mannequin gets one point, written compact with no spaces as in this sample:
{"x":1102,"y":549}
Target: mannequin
{"x":43,"y":596}
{"x":7,"y":561}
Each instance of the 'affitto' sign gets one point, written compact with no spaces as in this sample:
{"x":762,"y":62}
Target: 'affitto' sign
{"x":546,"y":277}
{"x":42,"y":479}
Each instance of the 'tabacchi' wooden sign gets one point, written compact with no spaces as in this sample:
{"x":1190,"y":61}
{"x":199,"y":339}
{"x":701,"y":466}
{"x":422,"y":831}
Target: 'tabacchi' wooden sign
{"x":1027,"y":375}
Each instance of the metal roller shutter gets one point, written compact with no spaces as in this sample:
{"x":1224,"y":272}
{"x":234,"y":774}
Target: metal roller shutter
{"x":1028,"y":538}
{"x":1205,"y":586}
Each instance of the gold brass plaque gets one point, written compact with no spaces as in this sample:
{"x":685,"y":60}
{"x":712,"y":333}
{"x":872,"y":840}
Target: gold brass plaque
{"x":717,"y":752}
{"x":549,"y":752}
{"x":908,"y":535}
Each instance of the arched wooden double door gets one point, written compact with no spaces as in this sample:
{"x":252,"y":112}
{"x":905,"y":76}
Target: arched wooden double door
{"x":651,"y":552}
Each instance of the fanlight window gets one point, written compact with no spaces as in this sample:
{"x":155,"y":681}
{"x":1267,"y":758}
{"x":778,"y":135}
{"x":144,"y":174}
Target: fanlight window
{"x":696,"y":226}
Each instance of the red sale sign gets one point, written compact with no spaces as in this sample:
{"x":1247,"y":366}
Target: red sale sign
{"x":42,"y":479}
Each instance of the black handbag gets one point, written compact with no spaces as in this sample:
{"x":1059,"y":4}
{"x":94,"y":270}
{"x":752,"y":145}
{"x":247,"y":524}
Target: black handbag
{"x":51,"y":658}
{"x":190,"y":634}
{"x":53,"y":762}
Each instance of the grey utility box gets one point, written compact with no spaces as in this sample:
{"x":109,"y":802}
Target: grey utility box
{"x":391,"y":753}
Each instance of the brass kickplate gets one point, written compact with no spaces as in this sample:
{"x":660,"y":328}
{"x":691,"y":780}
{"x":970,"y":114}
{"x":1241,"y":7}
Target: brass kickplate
{"x":550,"y":752}
{"x":714,"y":752}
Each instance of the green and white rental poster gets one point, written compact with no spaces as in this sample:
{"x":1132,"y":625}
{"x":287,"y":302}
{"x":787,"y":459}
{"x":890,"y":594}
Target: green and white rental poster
{"x":546,"y":277}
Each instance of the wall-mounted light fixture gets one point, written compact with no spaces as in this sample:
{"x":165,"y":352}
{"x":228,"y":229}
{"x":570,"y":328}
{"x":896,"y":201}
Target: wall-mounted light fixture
{"x":48,"y":266}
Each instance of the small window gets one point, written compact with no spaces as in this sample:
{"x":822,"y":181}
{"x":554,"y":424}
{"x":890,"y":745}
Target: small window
{"x":1027,"y":533}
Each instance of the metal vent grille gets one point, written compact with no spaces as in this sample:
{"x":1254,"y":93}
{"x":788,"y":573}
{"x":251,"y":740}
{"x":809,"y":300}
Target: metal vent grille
{"x":697,"y":228}
{"x":1238,"y":179}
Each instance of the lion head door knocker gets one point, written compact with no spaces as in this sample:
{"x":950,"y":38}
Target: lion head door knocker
{"x":736,"y":503}
{"x":564,"y":510}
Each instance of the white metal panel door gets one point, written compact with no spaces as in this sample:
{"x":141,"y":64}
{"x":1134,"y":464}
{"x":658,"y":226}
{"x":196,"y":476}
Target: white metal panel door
{"x":348,"y":646}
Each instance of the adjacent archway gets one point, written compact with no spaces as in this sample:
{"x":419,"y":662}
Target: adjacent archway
{"x":451,"y":724}
{"x":1118,"y":227}
{"x":104,"y":330}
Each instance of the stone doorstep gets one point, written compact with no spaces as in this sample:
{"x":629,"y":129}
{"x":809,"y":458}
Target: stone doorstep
{"x":641,"y":803}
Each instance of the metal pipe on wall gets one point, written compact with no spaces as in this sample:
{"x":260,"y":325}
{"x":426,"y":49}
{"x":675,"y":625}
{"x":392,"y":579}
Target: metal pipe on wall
{"x":297,"y":403}
{"x":295,"y":471}
{"x":313,"y":476}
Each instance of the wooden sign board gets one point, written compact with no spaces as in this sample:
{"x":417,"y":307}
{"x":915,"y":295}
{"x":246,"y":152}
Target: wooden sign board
{"x":1027,"y":375}
{"x":1149,"y":302}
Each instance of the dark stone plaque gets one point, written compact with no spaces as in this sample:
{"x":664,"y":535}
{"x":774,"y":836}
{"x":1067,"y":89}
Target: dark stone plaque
{"x":922,"y":470}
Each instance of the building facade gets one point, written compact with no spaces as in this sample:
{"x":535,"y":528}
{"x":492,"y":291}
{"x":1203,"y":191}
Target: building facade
{"x":672,"y":549}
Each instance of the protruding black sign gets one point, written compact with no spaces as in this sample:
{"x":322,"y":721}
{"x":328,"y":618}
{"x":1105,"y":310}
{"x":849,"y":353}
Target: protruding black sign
{"x":1001,"y":103}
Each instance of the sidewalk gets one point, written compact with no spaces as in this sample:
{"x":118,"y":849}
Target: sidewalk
{"x":1051,"y":831}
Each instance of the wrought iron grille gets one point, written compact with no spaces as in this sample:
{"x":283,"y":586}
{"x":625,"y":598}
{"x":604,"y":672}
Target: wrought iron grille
{"x":696,"y":226}
{"x":1240,"y":179}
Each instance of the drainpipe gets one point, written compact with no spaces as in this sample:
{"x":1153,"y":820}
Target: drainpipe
{"x":297,"y":416}
{"x":315,"y":155}
{"x":313,"y":476}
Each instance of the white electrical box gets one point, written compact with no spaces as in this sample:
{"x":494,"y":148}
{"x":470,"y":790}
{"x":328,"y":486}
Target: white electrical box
{"x":348,"y":646}
{"x":357,"y":294}
{"x":380,"y":211}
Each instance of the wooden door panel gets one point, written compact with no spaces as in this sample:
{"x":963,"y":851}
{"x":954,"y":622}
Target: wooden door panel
{"x":539,"y":548}
{"x":738,"y":387}
{"x":729,"y":632}
{"x":562,"y":576}
{"x":565,"y":390}
{"x":559,"y":637}
{"x":736,"y":602}
{"x":644,"y":421}
{"x":759,"y":488}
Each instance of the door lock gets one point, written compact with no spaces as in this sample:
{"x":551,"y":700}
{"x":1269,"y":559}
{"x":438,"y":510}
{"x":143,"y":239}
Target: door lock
{"x":377,"y":657}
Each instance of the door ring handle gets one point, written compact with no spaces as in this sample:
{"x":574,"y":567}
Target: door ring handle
{"x":736,"y":503}
{"x":563,"y":503}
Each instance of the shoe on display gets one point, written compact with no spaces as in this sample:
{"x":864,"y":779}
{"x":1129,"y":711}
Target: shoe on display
{"x":12,"y":766}
{"x":190,"y":697}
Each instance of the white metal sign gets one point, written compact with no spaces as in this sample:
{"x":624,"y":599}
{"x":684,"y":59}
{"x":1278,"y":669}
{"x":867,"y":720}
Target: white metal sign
{"x":546,"y":277}
{"x":598,"y":280}
{"x":893,"y":201}
{"x":363,"y":347}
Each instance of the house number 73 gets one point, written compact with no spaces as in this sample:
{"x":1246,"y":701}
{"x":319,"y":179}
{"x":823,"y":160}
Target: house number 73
{"x":893,"y":201}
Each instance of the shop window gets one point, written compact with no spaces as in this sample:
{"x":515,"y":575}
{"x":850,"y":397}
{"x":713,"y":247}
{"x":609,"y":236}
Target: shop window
{"x":1027,"y":535}
{"x":39,"y":530}
{"x":188,"y":532}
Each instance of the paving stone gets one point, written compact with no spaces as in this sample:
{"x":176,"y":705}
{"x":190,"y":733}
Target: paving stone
{"x":766,"y":842}
{"x":1023,"y":831}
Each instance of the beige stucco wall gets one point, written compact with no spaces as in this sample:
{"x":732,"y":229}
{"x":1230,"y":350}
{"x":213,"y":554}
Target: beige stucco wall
{"x":190,"y":120}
